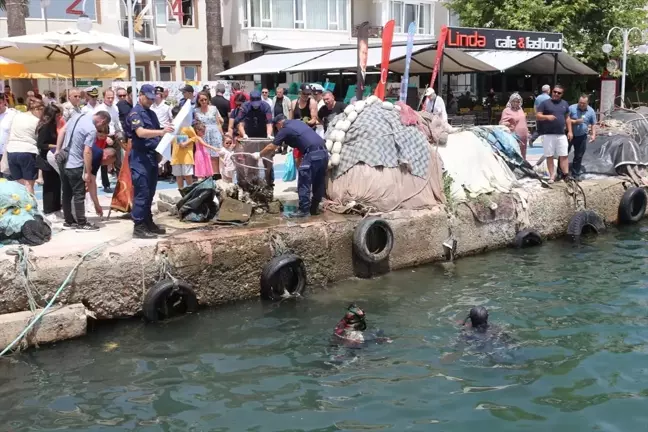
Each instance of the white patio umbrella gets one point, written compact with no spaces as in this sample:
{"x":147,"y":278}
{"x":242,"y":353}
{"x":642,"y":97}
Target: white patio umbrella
{"x":61,"y":69}
{"x":75,"y":46}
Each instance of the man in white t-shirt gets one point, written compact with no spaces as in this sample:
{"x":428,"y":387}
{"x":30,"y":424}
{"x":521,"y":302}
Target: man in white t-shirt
{"x":6,"y":116}
{"x":92,"y":102}
{"x":161,"y":109}
{"x":435,"y":105}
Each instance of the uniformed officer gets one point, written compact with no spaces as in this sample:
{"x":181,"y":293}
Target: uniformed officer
{"x":255,"y":118}
{"x":146,"y":133}
{"x":312,"y":171}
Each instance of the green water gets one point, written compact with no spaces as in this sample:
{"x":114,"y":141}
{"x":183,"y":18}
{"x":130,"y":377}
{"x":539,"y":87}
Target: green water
{"x":577,"y":317}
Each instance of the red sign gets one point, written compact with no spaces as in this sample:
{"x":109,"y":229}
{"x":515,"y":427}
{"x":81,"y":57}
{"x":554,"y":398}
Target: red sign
{"x":176,"y":9}
{"x":439,"y":54}
{"x":71,"y":9}
{"x":387,"y":38}
{"x":505,"y":40}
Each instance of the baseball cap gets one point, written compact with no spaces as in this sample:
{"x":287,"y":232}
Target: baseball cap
{"x":317,"y":88}
{"x":92,"y":91}
{"x":278,"y":118}
{"x":187,"y":88}
{"x":429,"y":91}
{"x":220,"y":88}
{"x":159,"y":89}
{"x":148,"y":90}
{"x":305,"y":88}
{"x":255,"y":98}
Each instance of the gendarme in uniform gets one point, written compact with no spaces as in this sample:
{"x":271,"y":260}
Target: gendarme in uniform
{"x":143,"y":163}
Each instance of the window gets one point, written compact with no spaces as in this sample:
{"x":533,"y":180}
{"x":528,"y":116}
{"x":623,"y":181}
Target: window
{"x":453,"y":19}
{"x":141,"y":73}
{"x":298,"y":14}
{"x":59,"y":10}
{"x":164,"y":12}
{"x":190,"y":71}
{"x":167,"y":72}
{"x":404,"y":13}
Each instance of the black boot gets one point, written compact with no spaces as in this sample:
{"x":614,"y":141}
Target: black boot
{"x":141,"y":231}
{"x":314,"y":210}
{"x":155,"y":228}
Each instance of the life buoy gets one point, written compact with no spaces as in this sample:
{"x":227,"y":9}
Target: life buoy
{"x":282,"y":277}
{"x":527,"y":238}
{"x":373,"y":240}
{"x":585,"y":222}
{"x":167,"y":299}
{"x":632,"y":207}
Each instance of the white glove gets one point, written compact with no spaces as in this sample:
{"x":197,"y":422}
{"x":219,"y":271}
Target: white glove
{"x":257,"y":155}
{"x":245,"y":136}
{"x":270,"y":137}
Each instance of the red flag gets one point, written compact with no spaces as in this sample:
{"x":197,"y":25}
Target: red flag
{"x":122,"y":199}
{"x":439,"y":56}
{"x":387,"y":38}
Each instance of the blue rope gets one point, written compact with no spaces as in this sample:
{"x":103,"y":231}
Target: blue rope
{"x":51,"y":302}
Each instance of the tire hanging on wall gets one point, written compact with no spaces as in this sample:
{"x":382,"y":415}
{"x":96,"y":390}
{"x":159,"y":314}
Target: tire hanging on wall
{"x":169,"y":298}
{"x":527,"y":238}
{"x":283,"y":277}
{"x":632,"y":207}
{"x":373,"y":240}
{"x":585,"y":222}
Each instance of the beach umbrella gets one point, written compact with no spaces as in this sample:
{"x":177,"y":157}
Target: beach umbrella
{"x":76,"y":47}
{"x":59,"y":69}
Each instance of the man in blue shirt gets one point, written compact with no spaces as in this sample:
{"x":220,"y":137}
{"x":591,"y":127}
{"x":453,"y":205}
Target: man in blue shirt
{"x":255,"y":118}
{"x":312,"y":171}
{"x":541,"y":98}
{"x":146,"y":133}
{"x":581,"y":116}
{"x":554,"y":115}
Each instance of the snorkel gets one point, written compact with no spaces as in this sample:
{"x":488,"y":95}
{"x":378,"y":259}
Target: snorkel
{"x":478,"y":317}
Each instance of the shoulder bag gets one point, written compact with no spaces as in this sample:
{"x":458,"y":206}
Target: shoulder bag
{"x":62,"y":156}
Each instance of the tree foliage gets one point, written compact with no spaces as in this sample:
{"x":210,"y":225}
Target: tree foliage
{"x":583,"y":23}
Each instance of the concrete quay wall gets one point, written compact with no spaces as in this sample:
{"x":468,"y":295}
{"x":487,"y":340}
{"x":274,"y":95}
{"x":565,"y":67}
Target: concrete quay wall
{"x":224,"y":264}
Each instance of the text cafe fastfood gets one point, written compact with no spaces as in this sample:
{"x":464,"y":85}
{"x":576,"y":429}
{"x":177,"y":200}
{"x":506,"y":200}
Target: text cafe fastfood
{"x":505,"y":40}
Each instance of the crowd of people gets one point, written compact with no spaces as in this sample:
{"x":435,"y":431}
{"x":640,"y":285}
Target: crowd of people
{"x":561,"y":125}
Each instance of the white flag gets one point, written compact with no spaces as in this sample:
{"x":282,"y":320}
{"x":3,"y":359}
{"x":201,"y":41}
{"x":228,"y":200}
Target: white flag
{"x":182,"y":119}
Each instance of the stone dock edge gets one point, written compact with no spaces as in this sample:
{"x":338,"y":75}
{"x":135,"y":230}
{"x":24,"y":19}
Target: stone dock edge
{"x":224,"y":265}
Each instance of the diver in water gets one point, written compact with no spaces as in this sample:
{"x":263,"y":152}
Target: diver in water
{"x":478,"y":317}
{"x":350,"y":330}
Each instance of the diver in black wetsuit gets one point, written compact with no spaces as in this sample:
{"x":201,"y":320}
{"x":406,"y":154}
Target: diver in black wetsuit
{"x":478,"y":317}
{"x":350,"y":331}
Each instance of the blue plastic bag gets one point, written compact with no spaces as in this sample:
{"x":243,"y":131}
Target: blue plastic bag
{"x":291,"y":170}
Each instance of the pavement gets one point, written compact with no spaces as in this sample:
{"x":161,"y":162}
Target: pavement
{"x":117,"y":231}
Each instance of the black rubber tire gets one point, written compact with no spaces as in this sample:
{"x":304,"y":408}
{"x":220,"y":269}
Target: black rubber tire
{"x":632,"y":207}
{"x":373,"y":240}
{"x":166,"y":299}
{"x":284,"y":273}
{"x":583,"y":222}
{"x":527,"y":238}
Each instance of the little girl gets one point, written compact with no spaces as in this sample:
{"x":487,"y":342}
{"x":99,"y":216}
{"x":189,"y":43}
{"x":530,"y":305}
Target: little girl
{"x":227,"y":164}
{"x":182,"y":158}
{"x":202,"y":159}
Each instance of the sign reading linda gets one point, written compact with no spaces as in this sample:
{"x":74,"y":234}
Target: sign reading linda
{"x":505,"y":40}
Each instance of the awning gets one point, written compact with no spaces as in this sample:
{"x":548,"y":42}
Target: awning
{"x":537,"y":63}
{"x":274,"y":62}
{"x":454,"y":61}
{"x":347,"y":58}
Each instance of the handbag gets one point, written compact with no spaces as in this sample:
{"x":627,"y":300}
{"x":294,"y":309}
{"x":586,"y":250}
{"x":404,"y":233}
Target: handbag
{"x":62,"y":156}
{"x":291,"y":172}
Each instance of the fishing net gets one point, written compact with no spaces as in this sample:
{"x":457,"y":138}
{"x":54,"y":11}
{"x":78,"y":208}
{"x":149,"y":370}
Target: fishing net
{"x":20,"y":219}
{"x":254,"y":175}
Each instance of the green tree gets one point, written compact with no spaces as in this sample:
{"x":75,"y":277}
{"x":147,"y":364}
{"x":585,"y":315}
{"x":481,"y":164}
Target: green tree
{"x":583,"y":23}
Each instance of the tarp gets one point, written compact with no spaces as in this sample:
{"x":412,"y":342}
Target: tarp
{"x":608,"y":153}
{"x":473,"y":167}
{"x":388,"y":189}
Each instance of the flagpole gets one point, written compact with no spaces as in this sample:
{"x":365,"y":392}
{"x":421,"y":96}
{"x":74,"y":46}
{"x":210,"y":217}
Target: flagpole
{"x":158,"y":75}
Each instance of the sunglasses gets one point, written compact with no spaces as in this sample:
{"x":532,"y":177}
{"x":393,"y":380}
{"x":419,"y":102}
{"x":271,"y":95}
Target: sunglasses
{"x":559,"y":93}
{"x":121,"y":96}
{"x":264,"y":92}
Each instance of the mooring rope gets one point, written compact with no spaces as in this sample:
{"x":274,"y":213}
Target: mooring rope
{"x":52,"y":300}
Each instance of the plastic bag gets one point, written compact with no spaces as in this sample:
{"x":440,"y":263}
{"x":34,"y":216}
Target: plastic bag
{"x":291,"y":170}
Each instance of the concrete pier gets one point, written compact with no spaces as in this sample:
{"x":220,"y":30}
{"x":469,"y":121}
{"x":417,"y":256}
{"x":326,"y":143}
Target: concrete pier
{"x":224,"y":263}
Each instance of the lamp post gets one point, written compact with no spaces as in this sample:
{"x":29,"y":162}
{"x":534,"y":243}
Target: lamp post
{"x":607,"y":48}
{"x":44,"y":5}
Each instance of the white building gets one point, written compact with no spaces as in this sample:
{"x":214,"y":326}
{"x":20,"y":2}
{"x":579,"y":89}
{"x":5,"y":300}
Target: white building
{"x":250,"y":26}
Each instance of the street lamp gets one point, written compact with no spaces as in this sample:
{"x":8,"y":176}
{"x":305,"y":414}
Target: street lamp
{"x":607,"y":48}
{"x":173,"y":26}
{"x":44,"y":4}
{"x":84,"y":23}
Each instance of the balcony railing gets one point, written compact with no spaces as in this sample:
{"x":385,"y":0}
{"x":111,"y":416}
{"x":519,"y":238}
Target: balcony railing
{"x":145,"y":35}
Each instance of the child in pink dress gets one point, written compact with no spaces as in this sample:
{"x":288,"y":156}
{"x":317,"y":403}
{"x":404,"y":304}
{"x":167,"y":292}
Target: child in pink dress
{"x":202,"y":159}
